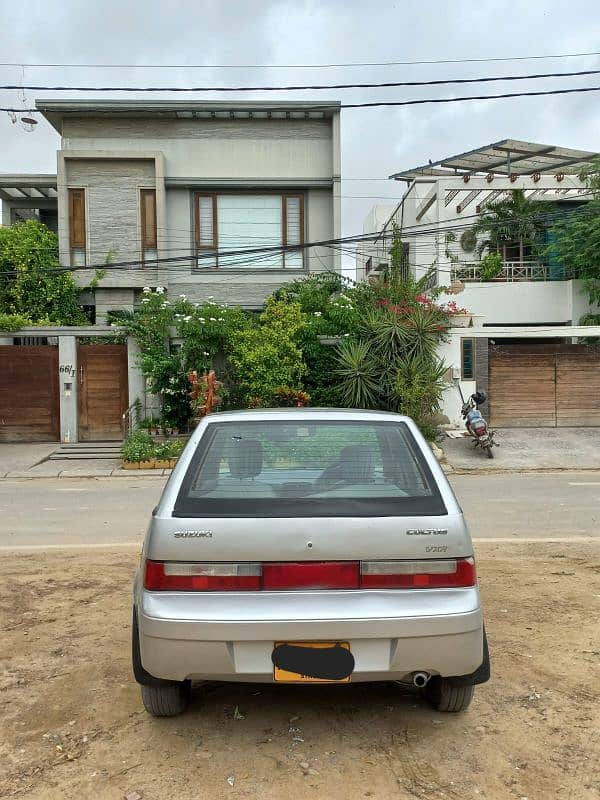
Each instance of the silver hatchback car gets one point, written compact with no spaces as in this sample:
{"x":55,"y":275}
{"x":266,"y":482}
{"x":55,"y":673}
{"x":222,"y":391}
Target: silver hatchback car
{"x":307,"y":546}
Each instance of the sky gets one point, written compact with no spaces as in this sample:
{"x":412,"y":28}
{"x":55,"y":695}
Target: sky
{"x":375,"y":142}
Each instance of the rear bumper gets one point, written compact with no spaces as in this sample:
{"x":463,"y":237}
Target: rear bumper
{"x":391,"y":634}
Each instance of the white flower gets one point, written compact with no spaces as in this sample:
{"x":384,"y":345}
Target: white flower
{"x":182,"y":296}
{"x":318,"y":314}
{"x":211,"y":297}
{"x":146,"y":290}
{"x":206,"y":354}
{"x":346,"y":334}
{"x":213,"y":319}
{"x":145,"y":300}
{"x":160,"y":290}
{"x":221,"y":319}
{"x":187,"y":319}
{"x":202,"y":319}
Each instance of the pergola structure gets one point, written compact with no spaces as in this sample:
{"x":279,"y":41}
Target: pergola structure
{"x":27,"y":187}
{"x":509,"y":158}
{"x":19,"y":192}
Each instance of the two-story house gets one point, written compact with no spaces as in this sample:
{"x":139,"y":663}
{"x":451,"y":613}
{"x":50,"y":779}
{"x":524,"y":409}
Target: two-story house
{"x":526,"y":357}
{"x":186,"y":194}
{"x":214,"y":200}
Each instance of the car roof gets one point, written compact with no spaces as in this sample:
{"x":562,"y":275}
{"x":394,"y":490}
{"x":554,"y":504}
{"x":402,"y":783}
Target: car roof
{"x":304,"y":413}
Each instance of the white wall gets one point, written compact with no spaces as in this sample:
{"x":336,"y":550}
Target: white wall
{"x":525,"y":302}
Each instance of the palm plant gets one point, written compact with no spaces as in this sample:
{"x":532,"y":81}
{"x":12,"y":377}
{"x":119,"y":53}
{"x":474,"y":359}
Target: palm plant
{"x":358,"y":371}
{"x":515,"y":222}
{"x":418,"y":386}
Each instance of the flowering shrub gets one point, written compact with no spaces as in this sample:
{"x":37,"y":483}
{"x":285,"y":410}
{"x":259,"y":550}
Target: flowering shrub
{"x":452,"y":308}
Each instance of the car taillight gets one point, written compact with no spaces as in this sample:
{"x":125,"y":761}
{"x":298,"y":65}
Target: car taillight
{"x":426,"y":574}
{"x":281,"y":576}
{"x":311,"y":575}
{"x":202,"y":577}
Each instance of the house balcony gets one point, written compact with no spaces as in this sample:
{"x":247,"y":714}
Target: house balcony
{"x":470,"y":272}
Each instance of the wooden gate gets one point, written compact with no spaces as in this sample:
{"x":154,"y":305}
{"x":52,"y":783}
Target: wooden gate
{"x":578,"y":389}
{"x":29,"y":400}
{"x":103,"y":393}
{"x":547,"y":386}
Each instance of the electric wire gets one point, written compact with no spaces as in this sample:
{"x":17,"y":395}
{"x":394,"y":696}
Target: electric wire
{"x":379,"y":103}
{"x":247,"y":253}
{"x":475,"y":60}
{"x":300,"y":87}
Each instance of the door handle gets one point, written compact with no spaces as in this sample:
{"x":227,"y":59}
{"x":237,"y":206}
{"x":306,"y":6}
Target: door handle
{"x":81,"y":376}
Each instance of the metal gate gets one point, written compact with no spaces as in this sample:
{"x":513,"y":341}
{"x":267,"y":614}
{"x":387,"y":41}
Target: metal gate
{"x":547,"y":386}
{"x":29,"y":393}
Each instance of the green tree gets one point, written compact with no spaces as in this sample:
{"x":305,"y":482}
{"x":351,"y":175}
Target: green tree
{"x":575,"y":238}
{"x":267,"y":356}
{"x":30,"y":284}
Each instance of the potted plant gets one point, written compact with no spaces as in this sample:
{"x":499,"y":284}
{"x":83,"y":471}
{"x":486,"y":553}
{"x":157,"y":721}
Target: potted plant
{"x":162,"y":456}
{"x":138,"y":451}
{"x":458,"y":317}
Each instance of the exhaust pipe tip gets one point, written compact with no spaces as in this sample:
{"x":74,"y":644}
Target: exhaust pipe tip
{"x":421,"y":679}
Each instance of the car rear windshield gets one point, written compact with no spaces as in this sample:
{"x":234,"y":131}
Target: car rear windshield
{"x":288,"y":469}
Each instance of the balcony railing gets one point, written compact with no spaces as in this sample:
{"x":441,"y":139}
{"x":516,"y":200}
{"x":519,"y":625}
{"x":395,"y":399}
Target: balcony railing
{"x":511,"y":271}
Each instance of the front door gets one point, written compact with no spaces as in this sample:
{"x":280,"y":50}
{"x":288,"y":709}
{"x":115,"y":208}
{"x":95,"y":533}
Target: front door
{"x":103,"y":393}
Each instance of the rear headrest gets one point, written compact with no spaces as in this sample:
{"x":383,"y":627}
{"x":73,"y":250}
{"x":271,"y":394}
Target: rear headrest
{"x":358,"y":463}
{"x":245,"y":458}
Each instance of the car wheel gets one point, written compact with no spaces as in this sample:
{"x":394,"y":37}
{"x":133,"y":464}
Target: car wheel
{"x":166,"y":701}
{"x":443,"y":696}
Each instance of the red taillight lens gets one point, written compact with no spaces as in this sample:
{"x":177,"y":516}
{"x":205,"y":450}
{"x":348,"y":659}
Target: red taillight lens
{"x":312,"y":575}
{"x":428,"y":574}
{"x":186,"y":577}
{"x":245,"y":576}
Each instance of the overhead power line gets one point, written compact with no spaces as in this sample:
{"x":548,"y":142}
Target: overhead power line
{"x":306,"y":66}
{"x":250,"y":254}
{"x":387,"y":103}
{"x":298,"y":88}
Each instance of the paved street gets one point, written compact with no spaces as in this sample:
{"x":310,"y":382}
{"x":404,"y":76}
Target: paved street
{"x":82,"y":512}
{"x":529,"y":448}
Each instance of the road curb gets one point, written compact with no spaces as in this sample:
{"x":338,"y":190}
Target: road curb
{"x":521,"y":470}
{"x":91,"y":475}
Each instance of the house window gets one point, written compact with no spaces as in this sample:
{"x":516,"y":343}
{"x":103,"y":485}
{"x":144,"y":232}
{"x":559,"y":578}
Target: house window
{"x":468,"y":359}
{"x":148,"y":225}
{"x":77,"y":233}
{"x":368,"y":265}
{"x":241,"y":221}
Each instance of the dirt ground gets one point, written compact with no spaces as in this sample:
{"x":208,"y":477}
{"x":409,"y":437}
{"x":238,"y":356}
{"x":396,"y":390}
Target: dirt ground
{"x":72,"y":724}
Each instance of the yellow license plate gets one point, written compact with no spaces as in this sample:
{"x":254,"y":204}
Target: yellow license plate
{"x":280,"y":674}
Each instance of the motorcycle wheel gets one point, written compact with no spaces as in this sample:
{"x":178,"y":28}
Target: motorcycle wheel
{"x":489,"y":451}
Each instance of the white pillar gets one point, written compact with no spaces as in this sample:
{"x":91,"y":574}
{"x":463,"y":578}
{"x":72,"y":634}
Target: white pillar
{"x":68,"y":379}
{"x":136,"y":381}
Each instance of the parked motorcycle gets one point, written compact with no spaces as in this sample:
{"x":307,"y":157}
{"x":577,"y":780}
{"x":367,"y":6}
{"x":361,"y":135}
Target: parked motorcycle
{"x":476,"y":424}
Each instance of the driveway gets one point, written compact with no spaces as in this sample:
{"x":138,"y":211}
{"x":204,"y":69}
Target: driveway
{"x":72,"y":725}
{"x":529,"y":449}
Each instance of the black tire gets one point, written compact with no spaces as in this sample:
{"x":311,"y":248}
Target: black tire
{"x":166,"y":701}
{"x":490,"y":452}
{"x":444,"y":697}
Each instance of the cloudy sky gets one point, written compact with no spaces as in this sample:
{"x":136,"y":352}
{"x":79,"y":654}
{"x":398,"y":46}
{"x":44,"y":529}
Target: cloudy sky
{"x":375,"y":142}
